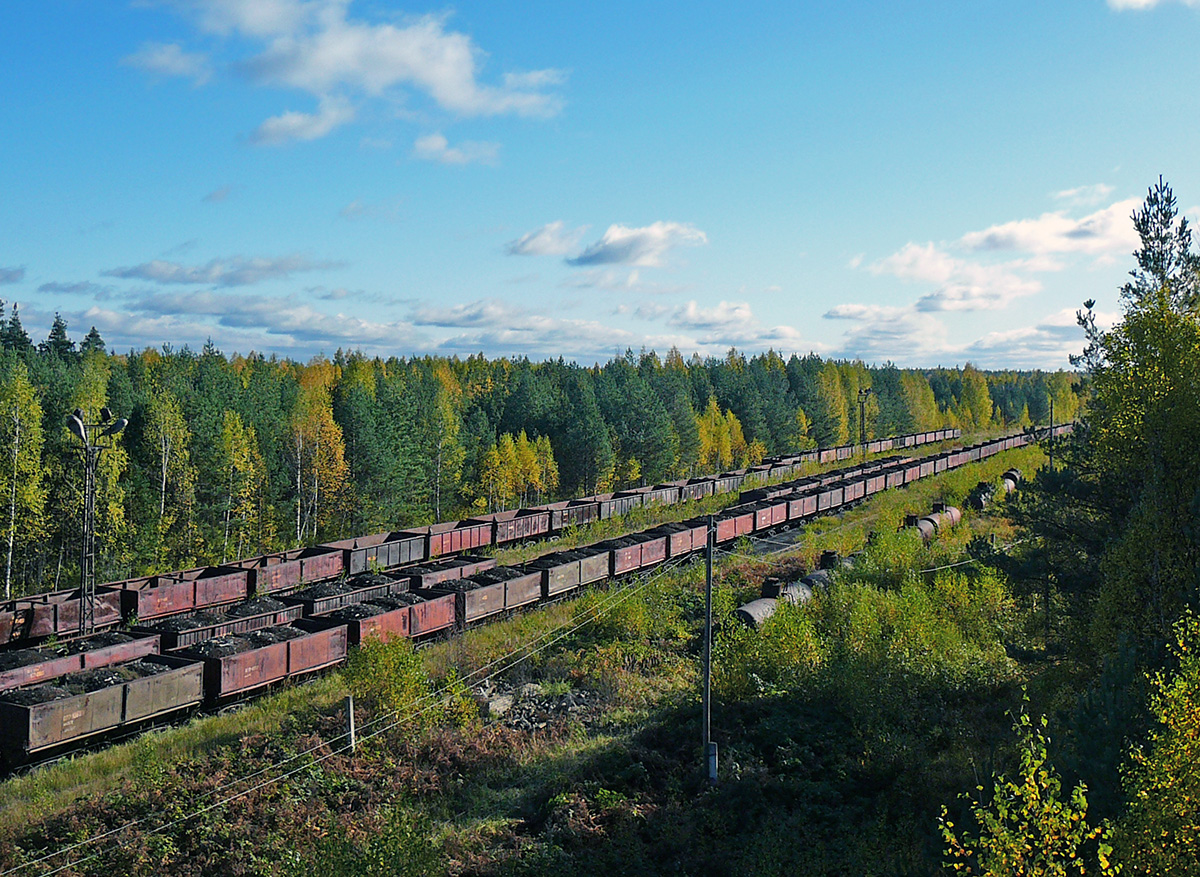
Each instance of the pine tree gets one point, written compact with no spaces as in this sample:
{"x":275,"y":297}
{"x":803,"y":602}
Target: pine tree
{"x":57,"y":343}
{"x":13,"y":336}
{"x":92,"y":342}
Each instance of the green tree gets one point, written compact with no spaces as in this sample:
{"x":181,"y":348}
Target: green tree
{"x":20,"y":466}
{"x":1160,"y":833}
{"x":1166,"y":263}
{"x":167,"y":436}
{"x":57,"y":343}
{"x":1027,"y":829}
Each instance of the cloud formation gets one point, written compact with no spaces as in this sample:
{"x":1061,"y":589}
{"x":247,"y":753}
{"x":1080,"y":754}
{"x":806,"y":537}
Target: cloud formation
{"x":83,"y":287}
{"x":11,"y":275}
{"x":552,"y":239}
{"x":234,"y":271}
{"x":331,"y":113}
{"x":1105,"y":232}
{"x":169,"y":59}
{"x":1084,"y":195}
{"x":647,"y":246}
{"x":435,"y":147}
{"x":315,"y":46}
{"x":1145,"y":4}
{"x":962,"y":285}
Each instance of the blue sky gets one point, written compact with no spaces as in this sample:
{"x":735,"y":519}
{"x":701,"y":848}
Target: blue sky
{"x":927,"y":183}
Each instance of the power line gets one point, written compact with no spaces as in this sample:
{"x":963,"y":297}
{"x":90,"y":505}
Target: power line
{"x":394,"y":719}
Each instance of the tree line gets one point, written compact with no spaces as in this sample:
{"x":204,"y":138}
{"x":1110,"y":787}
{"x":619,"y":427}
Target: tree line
{"x":230,"y":456}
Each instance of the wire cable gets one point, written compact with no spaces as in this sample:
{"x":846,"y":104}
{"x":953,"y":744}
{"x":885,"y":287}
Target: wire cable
{"x":397,"y":718}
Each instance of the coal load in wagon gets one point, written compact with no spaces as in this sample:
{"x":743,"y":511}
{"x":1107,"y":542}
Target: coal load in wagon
{"x":494,"y":576}
{"x":183,"y":623}
{"x":326,"y":589}
{"x":356,"y":611}
{"x":227,"y":646}
{"x":369,"y":580}
{"x":20,"y":658}
{"x":92,"y":643}
{"x":396,"y":601}
{"x":257,"y":606}
{"x":36,"y":695}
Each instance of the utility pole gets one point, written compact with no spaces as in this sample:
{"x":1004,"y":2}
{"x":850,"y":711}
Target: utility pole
{"x":710,"y":748}
{"x":87,"y":435}
{"x":1051,"y":451}
{"x":863,"y":393}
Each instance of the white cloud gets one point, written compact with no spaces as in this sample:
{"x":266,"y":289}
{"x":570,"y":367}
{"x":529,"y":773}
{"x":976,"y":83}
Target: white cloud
{"x":435,"y":147}
{"x":331,"y":113}
{"x":726,"y":316}
{"x":382,"y":211}
{"x":961,"y":285}
{"x":1145,"y":4}
{"x":83,"y":287}
{"x":491,"y":312}
{"x":1085,"y":195}
{"x":252,"y":18}
{"x":605,"y":279}
{"x":169,"y":59}
{"x":646,"y":246}
{"x":11,"y":275}
{"x":317,"y":47}
{"x":552,"y":239}
{"x":886,"y":332}
{"x":373,"y":58}
{"x":234,"y":271}
{"x":1104,"y":232}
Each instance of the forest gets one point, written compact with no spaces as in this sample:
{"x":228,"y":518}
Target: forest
{"x":231,"y":456}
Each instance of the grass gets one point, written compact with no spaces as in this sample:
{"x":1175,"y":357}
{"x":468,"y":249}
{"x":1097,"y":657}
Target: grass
{"x":502,"y":802}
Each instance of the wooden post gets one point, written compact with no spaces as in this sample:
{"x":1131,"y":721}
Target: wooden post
{"x":350,"y":722}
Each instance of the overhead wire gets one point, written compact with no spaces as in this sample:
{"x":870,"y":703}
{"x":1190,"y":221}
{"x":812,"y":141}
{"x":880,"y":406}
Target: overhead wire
{"x":393,"y":719}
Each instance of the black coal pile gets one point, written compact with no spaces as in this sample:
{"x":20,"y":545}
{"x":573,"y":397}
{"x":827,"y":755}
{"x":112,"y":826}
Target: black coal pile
{"x":179,"y":624}
{"x":257,"y":606}
{"x":325,"y":589}
{"x":225,"y":646}
{"x":369,"y":580}
{"x":98,"y":641}
{"x":36,"y":695}
{"x":396,"y":601}
{"x":20,"y":658}
{"x":356,"y":611}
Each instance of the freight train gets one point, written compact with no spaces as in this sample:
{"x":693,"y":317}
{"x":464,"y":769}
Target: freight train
{"x":193,"y":639}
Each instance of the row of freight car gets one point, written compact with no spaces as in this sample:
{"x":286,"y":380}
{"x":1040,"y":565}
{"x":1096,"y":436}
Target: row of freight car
{"x":57,"y":698}
{"x":58,"y":613}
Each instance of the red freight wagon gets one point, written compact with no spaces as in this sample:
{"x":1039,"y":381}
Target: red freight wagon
{"x":182,"y":631}
{"x":29,"y":728}
{"x":30,"y":666}
{"x":287,"y":569}
{"x":56,"y":613}
{"x":654,"y":549}
{"x":626,"y":555}
{"x":451,"y":537}
{"x":156,"y":596}
{"x":435,"y":612}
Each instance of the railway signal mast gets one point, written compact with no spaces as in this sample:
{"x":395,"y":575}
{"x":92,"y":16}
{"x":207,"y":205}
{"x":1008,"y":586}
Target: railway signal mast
{"x":92,"y":438}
